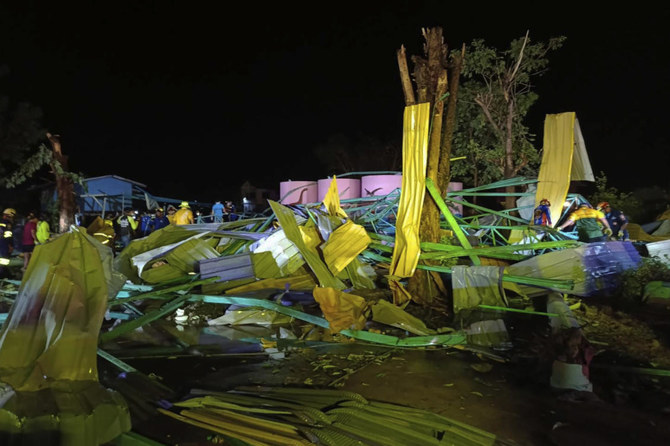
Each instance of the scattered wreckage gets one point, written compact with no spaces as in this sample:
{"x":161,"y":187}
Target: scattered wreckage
{"x":323,"y":264}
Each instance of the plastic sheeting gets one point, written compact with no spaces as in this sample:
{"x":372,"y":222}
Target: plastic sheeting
{"x":477,"y":285}
{"x":593,"y":267}
{"x":48,"y":345}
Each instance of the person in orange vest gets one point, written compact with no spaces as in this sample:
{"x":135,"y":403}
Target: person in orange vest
{"x":184,"y":216}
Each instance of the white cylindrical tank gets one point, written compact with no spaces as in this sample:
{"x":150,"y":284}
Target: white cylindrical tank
{"x":347,"y":188}
{"x":298,"y":192}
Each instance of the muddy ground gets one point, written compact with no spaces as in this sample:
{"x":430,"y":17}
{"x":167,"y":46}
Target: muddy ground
{"x":505,"y":393}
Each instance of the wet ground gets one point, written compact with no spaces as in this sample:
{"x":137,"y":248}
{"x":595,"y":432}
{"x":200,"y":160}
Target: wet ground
{"x":507,"y":395}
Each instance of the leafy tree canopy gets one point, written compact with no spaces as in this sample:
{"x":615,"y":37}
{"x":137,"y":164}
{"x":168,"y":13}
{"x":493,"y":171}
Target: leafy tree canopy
{"x":495,"y":97}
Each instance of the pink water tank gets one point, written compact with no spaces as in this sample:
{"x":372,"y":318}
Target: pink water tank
{"x":379,"y":185}
{"x":298,"y":192}
{"x":347,"y":188}
{"x":456,"y":209}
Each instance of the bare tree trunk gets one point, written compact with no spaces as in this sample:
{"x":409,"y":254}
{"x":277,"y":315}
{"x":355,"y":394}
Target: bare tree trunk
{"x":404,"y":77}
{"x":510,"y":200}
{"x":444,"y":170}
{"x":432,"y":85}
{"x":64,"y":186}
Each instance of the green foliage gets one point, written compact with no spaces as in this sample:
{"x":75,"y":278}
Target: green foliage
{"x":633,"y":281}
{"x":623,"y":201}
{"x":496,"y":89}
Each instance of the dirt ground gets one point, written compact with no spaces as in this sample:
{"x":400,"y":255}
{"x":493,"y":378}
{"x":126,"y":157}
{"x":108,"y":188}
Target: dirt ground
{"x":506,"y":394}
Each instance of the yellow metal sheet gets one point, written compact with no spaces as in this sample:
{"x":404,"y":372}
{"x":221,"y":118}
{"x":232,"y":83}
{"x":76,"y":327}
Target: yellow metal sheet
{"x":564,"y":159}
{"x":413,"y":189}
{"x":554,"y":177}
{"x":341,"y":310}
{"x":332,"y":201}
{"x":344,"y":245}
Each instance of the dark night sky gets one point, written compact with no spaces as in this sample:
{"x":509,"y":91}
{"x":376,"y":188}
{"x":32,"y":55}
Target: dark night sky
{"x":193,"y":98}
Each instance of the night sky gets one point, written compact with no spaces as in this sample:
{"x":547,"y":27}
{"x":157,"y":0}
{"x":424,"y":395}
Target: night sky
{"x":194,"y":98}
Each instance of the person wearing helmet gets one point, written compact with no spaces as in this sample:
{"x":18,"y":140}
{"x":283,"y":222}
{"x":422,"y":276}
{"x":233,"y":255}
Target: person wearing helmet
{"x":617,"y":220}
{"x":6,"y":241}
{"x":184,"y":216}
{"x":590,"y":224}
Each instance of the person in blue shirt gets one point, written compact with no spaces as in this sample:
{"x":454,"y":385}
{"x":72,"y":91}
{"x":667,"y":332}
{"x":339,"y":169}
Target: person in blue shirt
{"x":158,"y":221}
{"x":617,"y":220}
{"x":542,"y":214}
{"x":144,"y":223}
{"x":217,"y":212}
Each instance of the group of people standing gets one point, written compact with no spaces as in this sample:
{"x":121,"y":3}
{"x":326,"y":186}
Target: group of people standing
{"x":223,"y":212}
{"x":36,"y":231}
{"x":592,"y":225}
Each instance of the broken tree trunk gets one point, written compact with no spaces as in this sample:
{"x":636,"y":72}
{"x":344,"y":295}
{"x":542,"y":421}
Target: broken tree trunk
{"x":64,"y":185}
{"x":430,"y":75}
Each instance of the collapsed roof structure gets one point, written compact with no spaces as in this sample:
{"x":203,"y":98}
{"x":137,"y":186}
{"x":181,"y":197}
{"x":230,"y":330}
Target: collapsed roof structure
{"x":335,"y":265}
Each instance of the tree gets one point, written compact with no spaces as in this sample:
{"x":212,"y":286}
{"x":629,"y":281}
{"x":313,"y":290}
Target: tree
{"x":23,"y":153}
{"x":64,"y":184}
{"x":437,"y":78}
{"x":495,"y":98}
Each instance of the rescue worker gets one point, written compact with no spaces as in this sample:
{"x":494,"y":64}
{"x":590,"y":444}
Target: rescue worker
{"x":590,"y":224}
{"x":184,"y":216}
{"x":43,"y":231}
{"x":158,"y":221}
{"x":171,"y":211}
{"x":617,"y":220}
{"x":6,"y":241}
{"x":127,"y":226}
{"x":102,"y":230}
{"x":542,"y":215}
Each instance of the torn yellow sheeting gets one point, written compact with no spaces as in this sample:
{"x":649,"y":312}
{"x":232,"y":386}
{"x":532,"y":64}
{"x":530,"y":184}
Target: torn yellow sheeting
{"x":564,"y":159}
{"x":49,"y":344}
{"x":51,"y":332}
{"x":385,"y":312}
{"x":341,"y":310}
{"x":413,"y":189}
{"x":637,"y":233}
{"x":311,"y":237}
{"x":332,"y":201}
{"x":284,"y":252}
{"x":251,"y":316}
{"x":400,"y":295}
{"x":287,"y":221}
{"x":343,"y":245}
{"x":303,"y":282}
{"x":265,"y":266}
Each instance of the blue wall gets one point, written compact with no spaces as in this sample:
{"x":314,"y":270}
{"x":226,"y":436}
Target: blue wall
{"x":118,"y":191}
